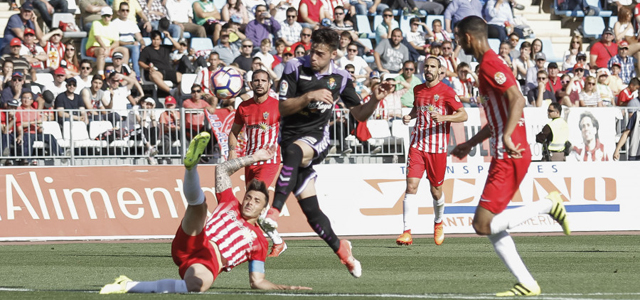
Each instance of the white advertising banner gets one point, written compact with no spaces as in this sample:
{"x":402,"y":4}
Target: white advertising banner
{"x":367,"y":199}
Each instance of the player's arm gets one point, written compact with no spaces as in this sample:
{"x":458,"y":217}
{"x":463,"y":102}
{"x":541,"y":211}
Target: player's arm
{"x":291,"y":106}
{"x":363,"y":111}
{"x":461,"y":150}
{"x":516,"y":105}
{"x":224,"y":170}
{"x":460,"y":115}
{"x":412,"y":115}
{"x":233,"y":140}
{"x":258,"y":281}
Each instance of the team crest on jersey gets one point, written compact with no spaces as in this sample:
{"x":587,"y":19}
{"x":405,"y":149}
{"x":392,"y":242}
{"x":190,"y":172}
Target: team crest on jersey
{"x":265,"y":115}
{"x":332,"y":83}
{"x":500,"y":78}
{"x":284,"y":88}
{"x":436,"y":97}
{"x":457,"y":98}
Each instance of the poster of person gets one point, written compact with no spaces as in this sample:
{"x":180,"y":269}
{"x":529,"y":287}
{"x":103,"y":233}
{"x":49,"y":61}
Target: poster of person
{"x":592,"y":133}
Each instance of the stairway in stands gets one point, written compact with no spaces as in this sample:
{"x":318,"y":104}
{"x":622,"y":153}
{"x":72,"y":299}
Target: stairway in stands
{"x":546,"y":27}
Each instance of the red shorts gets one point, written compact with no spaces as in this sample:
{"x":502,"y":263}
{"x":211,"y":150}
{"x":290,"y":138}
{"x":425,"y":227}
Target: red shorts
{"x":91,"y":52}
{"x":187,"y":250}
{"x":434,"y":163}
{"x":503,"y":181}
{"x":266,"y":173}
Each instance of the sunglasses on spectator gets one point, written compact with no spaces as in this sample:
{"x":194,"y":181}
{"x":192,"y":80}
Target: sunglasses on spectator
{"x":60,"y":75}
{"x":409,"y":69}
{"x":353,"y":50}
{"x":86,"y":68}
{"x":108,"y":16}
{"x":247,"y":46}
{"x":305,"y":34}
{"x":352,"y":72}
{"x":124,"y":10}
{"x":446,"y":48}
{"x":542,"y":78}
{"x":388,"y":16}
{"x":579,"y":70}
{"x":71,"y":84}
{"x":567,"y":81}
{"x":71,"y":49}
{"x":624,"y":48}
{"x":300,"y":52}
{"x":339,"y":13}
{"x":16,"y":79}
{"x":514,"y":40}
{"x":195,"y":91}
{"x":291,"y":17}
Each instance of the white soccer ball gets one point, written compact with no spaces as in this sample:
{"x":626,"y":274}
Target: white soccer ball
{"x":227,"y":83}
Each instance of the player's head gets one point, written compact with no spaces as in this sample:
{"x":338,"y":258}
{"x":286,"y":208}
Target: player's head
{"x":260,"y":83}
{"x":324,"y":48}
{"x":470,"y":30}
{"x":589,"y":127}
{"x":432,"y":69}
{"x":255,"y":199}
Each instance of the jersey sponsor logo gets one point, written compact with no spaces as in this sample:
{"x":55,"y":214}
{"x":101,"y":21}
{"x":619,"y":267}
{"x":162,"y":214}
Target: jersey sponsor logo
{"x":305,"y":77}
{"x":332,"y":83}
{"x":500,"y":78}
{"x":319,"y":106}
{"x":284,"y":88}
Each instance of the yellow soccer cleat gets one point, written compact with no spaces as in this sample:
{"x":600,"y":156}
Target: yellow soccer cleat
{"x":438,"y":233}
{"x":405,"y":238}
{"x":196,"y":148}
{"x":521,"y":290}
{"x":558,"y":212}
{"x":118,"y":287}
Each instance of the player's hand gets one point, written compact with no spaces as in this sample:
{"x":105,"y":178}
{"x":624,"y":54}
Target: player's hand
{"x":406,"y":119}
{"x":323,"y":95}
{"x":265,"y":154}
{"x":461,"y":150}
{"x":298,"y":287}
{"x":383,"y":89}
{"x":437,"y":117}
{"x":515,"y":151}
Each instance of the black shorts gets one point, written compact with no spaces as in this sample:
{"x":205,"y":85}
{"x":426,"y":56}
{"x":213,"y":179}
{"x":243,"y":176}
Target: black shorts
{"x":318,"y":140}
{"x":169,"y":75}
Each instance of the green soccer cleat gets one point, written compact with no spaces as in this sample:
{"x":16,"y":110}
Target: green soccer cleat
{"x":558,"y":212}
{"x":118,"y":287}
{"x":196,"y":148}
{"x":520,"y":290}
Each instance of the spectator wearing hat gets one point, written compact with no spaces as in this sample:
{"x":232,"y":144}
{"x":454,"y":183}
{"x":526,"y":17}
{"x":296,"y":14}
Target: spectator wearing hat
{"x":603,"y":50}
{"x":19,"y":22}
{"x":104,"y":40}
{"x":615,"y":82}
{"x":32,"y":51}
{"x":14,"y":90}
{"x":627,"y":63}
{"x":90,"y":11}
{"x":170,"y":122}
{"x":129,"y":36}
{"x":32,"y":127}
{"x":69,"y":100}
{"x":58,"y":85}
{"x":554,"y":83}
{"x":602,"y":87}
{"x":48,"y":7}
{"x":263,"y":26}
{"x":226,"y":50}
{"x":180,"y":12}
{"x":20,"y":63}
{"x":11,"y":132}
{"x":290,"y":29}
{"x":532,"y":72}
{"x":578,"y":77}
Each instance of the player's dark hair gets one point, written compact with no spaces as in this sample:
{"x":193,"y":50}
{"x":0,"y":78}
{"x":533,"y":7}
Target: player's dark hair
{"x":556,"y":106}
{"x":260,"y":71}
{"x":594,"y":121}
{"x":259,"y":186}
{"x":473,"y":25}
{"x":437,"y":59}
{"x":326,"y":36}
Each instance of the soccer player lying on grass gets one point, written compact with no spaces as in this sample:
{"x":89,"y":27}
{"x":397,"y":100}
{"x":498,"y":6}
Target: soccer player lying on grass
{"x":202,"y":247}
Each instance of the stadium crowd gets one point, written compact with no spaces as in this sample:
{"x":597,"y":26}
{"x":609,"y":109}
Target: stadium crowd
{"x":132,"y":45}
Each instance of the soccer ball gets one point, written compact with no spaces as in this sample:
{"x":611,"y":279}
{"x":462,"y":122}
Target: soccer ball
{"x":227,"y":83}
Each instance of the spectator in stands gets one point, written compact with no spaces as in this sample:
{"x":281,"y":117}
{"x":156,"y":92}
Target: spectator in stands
{"x":536,"y":46}
{"x":257,"y":64}
{"x":407,"y":76}
{"x":244,"y":60}
{"x":18,"y":23}
{"x":20,"y":63}
{"x":539,"y":96}
{"x":570,"y":56}
{"x":12,"y":132}
{"x":340,"y":22}
{"x":629,"y":93}
{"x":383,"y":31}
{"x":364,"y":6}
{"x":156,"y":60}
{"x":432,"y":7}
{"x":98,"y":99}
{"x":70,"y":61}
{"x":615,"y":82}
{"x":53,"y":47}
{"x":287,"y":54}
{"x":90,"y":11}
{"x":523,"y":62}
{"x":532,"y":72}
{"x":310,"y":13}
{"x":262,"y":26}
{"x":120,"y":67}
{"x":31,"y":51}
{"x":554,"y":136}
{"x":7,"y":71}
{"x":463,"y":85}
{"x":235,"y":9}
{"x":104,"y":40}
{"x":155,"y":12}
{"x":121,"y":100}
{"x":70,"y":100}
{"x":207,"y":15}
{"x":514,"y":39}
{"x":180,"y":12}
{"x":129,"y":36}
{"x":603,"y":50}
{"x":416,"y":38}
{"x":194,"y":117}
{"x":602,"y":88}
{"x":226,"y":50}
{"x":204,"y":75}
{"x":263,"y":54}
{"x":362,"y":69}
{"x":31,"y":121}
{"x":57,"y":86}
{"x":568,"y":96}
{"x":450,"y":58}
{"x":290,"y":29}
{"x":623,"y":29}
{"x":589,"y":96}
{"x":170,"y":122}
{"x":460,"y":9}
{"x":48,"y":7}
{"x":554,"y":80}
{"x":305,"y":39}
{"x":627,"y":63}
{"x":14,"y":90}
{"x":499,"y":17}
{"x":591,"y":148}
{"x":439,"y":34}
{"x":578,"y":77}
{"x":391,"y":53}
{"x":633,"y":152}
{"x":83,"y":79}
{"x":300,"y":51}
{"x":147,"y":131}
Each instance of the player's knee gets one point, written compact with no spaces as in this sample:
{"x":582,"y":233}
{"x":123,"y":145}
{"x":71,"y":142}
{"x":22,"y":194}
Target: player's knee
{"x":481,"y":228}
{"x":293,"y":150}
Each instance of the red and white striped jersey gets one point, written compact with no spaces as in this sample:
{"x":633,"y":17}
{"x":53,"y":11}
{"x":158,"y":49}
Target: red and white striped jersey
{"x":428,"y":135}
{"x":494,"y":79}
{"x":262,"y":126}
{"x":204,"y":80}
{"x":237,"y":240}
{"x":54,"y":54}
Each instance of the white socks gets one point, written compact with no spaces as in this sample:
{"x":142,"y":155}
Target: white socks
{"x":506,"y":250}
{"x":275,"y":236}
{"x":511,"y":218}
{"x":409,"y":210}
{"x":161,"y":286}
{"x":191,"y":187}
{"x":438,"y":209}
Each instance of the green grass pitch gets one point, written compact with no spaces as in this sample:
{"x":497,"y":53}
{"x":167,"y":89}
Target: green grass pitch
{"x":574,"y":267}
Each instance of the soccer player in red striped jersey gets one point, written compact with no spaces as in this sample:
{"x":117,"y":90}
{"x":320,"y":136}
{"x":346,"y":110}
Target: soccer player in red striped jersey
{"x":503,"y":104}
{"x":261,"y":118}
{"x":203,"y":248}
{"x":435,"y":106}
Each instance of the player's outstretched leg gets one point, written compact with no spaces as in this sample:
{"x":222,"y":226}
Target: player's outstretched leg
{"x":196,"y":148}
{"x":278,"y":245}
{"x":558,"y":211}
{"x":125,"y":285}
{"x":277,"y":249}
{"x":287,"y":180}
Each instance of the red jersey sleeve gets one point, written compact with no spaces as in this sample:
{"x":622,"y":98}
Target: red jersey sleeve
{"x":259,"y":251}
{"x":416,"y":91}
{"x":498,"y":74}
{"x":226,"y":196}
{"x":453,"y":101}
{"x":238,"y":118}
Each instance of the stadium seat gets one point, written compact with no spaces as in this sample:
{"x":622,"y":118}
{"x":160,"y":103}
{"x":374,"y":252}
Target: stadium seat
{"x":377,"y":20}
{"x":612,"y":21}
{"x":201,"y":44}
{"x":379,"y":130}
{"x":578,"y":12}
{"x":68,"y":18}
{"x":44,"y":78}
{"x":187,"y":82}
{"x":364,"y":26}
{"x":220,"y":4}
{"x":367,"y":43}
{"x":547,"y":48}
{"x":494,"y":44}
{"x":83,"y":52}
{"x":98,"y":127}
{"x":147,"y":41}
{"x":53,"y":128}
{"x":592,"y":27}
{"x":399,"y":130}
{"x":78,"y":132}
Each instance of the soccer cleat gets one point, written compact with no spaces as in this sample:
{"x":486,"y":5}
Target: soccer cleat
{"x":196,"y":148}
{"x":521,"y":290}
{"x":347,"y":259}
{"x":270,"y":221}
{"x":438,"y":233}
{"x":277,"y":249}
{"x":558,"y":212}
{"x":405,"y":238}
{"x":118,"y":287}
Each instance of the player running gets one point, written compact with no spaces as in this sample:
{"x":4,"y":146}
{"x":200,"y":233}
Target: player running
{"x":435,"y":106}
{"x":261,"y":117}
{"x":203,"y":248}
{"x":503,"y":105}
